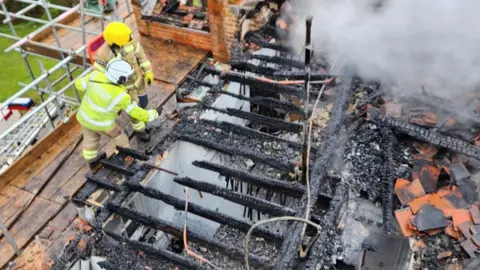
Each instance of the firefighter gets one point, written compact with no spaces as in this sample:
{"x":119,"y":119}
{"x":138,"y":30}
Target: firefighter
{"x":105,"y":97}
{"x":120,"y":45}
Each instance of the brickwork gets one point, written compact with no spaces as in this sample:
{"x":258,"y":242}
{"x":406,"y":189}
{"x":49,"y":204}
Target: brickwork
{"x":223,"y":25}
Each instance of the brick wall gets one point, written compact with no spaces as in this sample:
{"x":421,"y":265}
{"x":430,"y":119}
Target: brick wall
{"x":223,"y":25}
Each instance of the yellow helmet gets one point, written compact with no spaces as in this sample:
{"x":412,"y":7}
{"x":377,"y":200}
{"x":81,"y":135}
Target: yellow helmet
{"x":117,"y":33}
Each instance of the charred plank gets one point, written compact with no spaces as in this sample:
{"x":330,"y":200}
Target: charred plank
{"x":426,"y":135}
{"x":248,"y":132}
{"x":261,"y":205}
{"x":162,"y":253}
{"x":257,"y":157}
{"x":289,"y":248}
{"x":279,"y":60}
{"x":114,"y":166}
{"x":203,"y":212}
{"x":290,"y":188}
{"x":270,"y":87}
{"x":103,"y":182}
{"x":300,"y":75}
{"x":258,"y":118}
{"x":133,"y":153}
{"x":177,"y":231}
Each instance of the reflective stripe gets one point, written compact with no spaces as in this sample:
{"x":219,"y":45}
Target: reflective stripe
{"x":95,"y":106}
{"x":84,"y":84}
{"x":137,"y":50}
{"x":90,"y":154}
{"x":131,"y":107}
{"x":152,"y":115}
{"x":98,"y":67}
{"x":140,"y":126}
{"x":128,"y":48}
{"x":94,"y":122}
{"x":116,"y":101}
{"x":89,"y":145}
{"x":145,"y":64}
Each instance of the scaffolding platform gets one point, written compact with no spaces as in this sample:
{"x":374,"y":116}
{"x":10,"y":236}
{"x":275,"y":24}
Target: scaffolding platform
{"x":73,"y":40}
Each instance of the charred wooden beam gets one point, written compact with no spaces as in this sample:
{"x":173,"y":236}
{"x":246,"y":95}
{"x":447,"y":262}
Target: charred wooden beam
{"x":162,"y":253}
{"x":290,"y":188}
{"x":203,"y":212}
{"x":324,"y":247}
{"x":268,"y":45}
{"x":261,"y":205}
{"x":265,"y":101}
{"x":246,"y":66}
{"x":265,"y":120}
{"x":251,"y":133}
{"x":278,"y":60}
{"x":432,"y":137}
{"x":177,"y":231}
{"x":115,"y":166}
{"x":274,"y":162}
{"x":133,"y":153}
{"x":270,"y":87}
{"x":388,"y":179}
{"x":300,"y":75}
{"x":289,"y":250}
{"x":103,"y":182}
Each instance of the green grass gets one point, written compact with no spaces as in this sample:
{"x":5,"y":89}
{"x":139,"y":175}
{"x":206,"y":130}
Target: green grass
{"x":14,"y":70}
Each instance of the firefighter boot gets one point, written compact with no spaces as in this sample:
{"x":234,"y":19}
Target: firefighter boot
{"x":143,"y":136}
{"x":95,"y":164}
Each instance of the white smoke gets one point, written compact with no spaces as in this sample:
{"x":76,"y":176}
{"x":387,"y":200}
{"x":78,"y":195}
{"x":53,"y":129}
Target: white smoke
{"x":435,"y":43}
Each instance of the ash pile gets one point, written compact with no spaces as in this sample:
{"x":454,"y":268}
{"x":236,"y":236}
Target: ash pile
{"x":431,"y":166}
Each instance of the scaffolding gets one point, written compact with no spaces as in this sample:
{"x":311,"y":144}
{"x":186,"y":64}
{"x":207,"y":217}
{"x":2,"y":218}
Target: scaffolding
{"x":53,"y":105}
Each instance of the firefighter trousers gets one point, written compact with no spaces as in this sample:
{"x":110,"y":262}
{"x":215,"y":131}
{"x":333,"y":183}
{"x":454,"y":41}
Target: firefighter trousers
{"x":91,"y":140}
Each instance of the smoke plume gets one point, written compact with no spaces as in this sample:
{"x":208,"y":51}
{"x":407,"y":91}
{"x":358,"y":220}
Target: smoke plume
{"x":434,"y":43}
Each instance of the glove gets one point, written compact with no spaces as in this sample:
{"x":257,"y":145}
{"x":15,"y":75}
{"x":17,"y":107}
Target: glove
{"x":155,"y":115}
{"x":148,"y":77}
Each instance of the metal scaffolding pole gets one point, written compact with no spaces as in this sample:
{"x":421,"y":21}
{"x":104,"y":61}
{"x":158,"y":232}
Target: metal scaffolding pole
{"x":42,"y":77}
{"x":41,"y":106}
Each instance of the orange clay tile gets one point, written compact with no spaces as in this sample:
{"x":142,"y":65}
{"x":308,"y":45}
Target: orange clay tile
{"x":417,"y":203}
{"x":403,"y":218}
{"x":438,"y":202}
{"x":475,"y":214}
{"x":450,"y":231}
{"x":429,"y":177}
{"x":459,"y":216}
{"x":412,"y":191}
{"x":400,"y":183}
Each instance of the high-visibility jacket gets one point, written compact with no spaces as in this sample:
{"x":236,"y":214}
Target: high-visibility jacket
{"x":133,"y":53}
{"x":103,"y":101}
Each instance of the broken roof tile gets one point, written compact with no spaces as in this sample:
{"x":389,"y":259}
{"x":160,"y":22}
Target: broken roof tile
{"x":474,"y":229}
{"x":417,"y":203}
{"x":450,"y":231}
{"x":459,"y":216}
{"x":425,"y":149}
{"x":403,"y":217}
{"x":434,"y":232}
{"x":476,"y":239}
{"x":459,"y":159}
{"x":469,"y":247}
{"x":458,"y":172}
{"x":428,"y":218}
{"x":464,"y":228}
{"x":409,"y":192}
{"x":418,"y":162}
{"x":475,"y":214}
{"x":391,"y":109}
{"x":468,"y":189}
{"x":429,"y":177}
{"x":456,"y":200}
{"x":419,"y":246}
{"x":437,"y":201}
{"x":444,"y":164}
{"x":444,"y":254}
